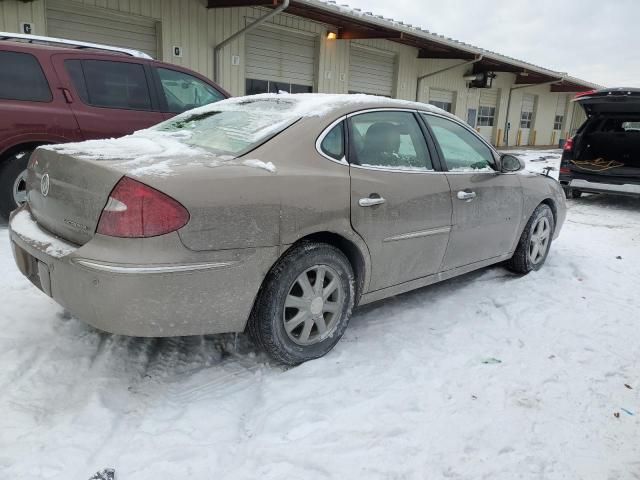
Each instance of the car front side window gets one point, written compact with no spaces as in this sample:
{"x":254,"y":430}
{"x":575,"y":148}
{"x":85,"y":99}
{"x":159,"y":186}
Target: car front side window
{"x":388,"y":139}
{"x":461,"y":149}
{"x":184,"y":92}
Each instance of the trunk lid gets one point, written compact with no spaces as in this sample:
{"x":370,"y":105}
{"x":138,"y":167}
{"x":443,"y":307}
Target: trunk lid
{"x":66,"y":194}
{"x":613,"y":100}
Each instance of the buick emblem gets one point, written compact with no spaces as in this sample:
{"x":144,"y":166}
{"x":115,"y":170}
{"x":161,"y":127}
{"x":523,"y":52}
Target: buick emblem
{"x":44,"y":185}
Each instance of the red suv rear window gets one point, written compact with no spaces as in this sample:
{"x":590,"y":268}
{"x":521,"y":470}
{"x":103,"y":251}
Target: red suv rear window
{"x":22,"y":78}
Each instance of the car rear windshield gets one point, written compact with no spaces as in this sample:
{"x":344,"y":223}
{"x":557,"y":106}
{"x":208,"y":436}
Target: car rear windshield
{"x":234,"y":128}
{"x":22,"y":78}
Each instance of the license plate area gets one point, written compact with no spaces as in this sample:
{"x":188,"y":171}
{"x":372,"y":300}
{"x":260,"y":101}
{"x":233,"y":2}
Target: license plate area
{"x":36,"y":271}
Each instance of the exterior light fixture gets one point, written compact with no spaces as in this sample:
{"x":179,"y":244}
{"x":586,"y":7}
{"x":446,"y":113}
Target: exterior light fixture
{"x":332,"y":35}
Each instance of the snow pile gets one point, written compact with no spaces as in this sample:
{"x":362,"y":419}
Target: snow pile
{"x":490,"y":375}
{"x":28,"y":229}
{"x":142,"y":146}
{"x":269,"y":166}
{"x":299,"y":105}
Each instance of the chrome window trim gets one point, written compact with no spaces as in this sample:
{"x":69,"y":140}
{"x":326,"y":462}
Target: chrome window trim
{"x":320,"y":139}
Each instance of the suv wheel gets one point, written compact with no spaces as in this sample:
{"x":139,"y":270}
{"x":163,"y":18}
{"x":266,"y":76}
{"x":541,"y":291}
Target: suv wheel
{"x":13,"y":185}
{"x":305,"y":304}
{"x":572,"y":193}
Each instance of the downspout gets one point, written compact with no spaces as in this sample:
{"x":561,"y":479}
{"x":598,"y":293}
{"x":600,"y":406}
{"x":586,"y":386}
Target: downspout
{"x":248,"y":28}
{"x":518,"y":87}
{"x":422,"y":77}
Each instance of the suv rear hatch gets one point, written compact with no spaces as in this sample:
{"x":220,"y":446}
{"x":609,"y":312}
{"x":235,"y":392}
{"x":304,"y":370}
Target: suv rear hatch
{"x":608,"y":144}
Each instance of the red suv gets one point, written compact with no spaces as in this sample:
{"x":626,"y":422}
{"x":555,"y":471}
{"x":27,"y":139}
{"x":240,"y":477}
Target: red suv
{"x":55,"y":91}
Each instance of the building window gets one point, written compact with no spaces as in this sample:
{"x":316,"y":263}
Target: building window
{"x":525,"y":119}
{"x":446,"y":106}
{"x":486,"y":116}
{"x":557,"y":123}
{"x":253,"y":87}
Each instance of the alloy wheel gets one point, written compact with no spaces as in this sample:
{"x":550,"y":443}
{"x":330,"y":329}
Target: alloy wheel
{"x":313,"y":305}
{"x":20,"y":188}
{"x":539,"y":242}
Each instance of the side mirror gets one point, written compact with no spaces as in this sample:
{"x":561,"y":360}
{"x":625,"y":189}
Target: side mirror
{"x":511,"y":163}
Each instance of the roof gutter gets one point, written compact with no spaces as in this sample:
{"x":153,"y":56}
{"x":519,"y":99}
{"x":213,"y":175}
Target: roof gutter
{"x":437,"y":72}
{"x":218,"y":48}
{"x":518,"y":87}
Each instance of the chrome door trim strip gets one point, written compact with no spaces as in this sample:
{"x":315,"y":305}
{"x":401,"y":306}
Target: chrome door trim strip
{"x":418,"y":234}
{"x":143,"y":269}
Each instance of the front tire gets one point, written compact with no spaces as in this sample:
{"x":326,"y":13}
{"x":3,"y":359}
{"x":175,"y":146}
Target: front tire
{"x":13,"y":185}
{"x":305,"y":304}
{"x":535,"y":242}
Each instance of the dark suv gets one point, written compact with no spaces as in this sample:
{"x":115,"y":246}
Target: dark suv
{"x":604,"y":154}
{"x":54,"y":91}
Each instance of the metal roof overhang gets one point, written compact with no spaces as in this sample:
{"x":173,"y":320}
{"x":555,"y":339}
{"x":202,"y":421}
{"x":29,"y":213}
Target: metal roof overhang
{"x":352,"y":24}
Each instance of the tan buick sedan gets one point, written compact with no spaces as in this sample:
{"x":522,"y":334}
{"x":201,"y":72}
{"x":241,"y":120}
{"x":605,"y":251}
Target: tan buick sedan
{"x":276,"y":215}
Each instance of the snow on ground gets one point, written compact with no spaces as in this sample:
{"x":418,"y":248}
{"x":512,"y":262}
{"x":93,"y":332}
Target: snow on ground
{"x":489,"y":375}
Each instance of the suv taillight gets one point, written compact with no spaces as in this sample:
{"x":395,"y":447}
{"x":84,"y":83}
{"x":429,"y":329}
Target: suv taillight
{"x":135,"y":210}
{"x":568,"y":145}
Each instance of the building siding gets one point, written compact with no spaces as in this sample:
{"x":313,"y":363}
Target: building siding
{"x":190,"y":25}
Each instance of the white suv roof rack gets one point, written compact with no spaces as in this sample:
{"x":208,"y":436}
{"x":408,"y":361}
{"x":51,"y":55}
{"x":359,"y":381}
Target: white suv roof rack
{"x":73,"y":43}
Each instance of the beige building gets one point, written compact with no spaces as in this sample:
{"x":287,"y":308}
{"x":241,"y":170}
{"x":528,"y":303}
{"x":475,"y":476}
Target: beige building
{"x":316,"y":46}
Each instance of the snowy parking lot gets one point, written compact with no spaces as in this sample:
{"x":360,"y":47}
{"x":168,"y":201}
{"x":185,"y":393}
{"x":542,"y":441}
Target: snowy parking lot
{"x":489,"y":375}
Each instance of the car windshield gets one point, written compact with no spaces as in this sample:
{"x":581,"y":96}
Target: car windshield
{"x":233,"y":128}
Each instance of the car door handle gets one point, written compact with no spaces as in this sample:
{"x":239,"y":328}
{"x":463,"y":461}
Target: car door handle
{"x":371,"y":201}
{"x":467,"y":196}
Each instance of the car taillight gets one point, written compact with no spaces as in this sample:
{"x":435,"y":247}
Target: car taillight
{"x":568,"y":145}
{"x":135,"y":210}
{"x":565,"y":170}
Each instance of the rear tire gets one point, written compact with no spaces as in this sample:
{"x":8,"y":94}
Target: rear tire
{"x":13,"y":191}
{"x":304,"y":305}
{"x":535,"y":242}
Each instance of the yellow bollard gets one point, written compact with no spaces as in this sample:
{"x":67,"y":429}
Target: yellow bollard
{"x":499,"y":137}
{"x":553,"y":138}
{"x":519,"y":138}
{"x":532,"y":142}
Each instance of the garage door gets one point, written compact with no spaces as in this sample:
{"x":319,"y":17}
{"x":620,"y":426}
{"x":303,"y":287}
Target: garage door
{"x":86,"y":24}
{"x":526,"y":118}
{"x":561,"y":108}
{"x":279,"y":59}
{"x":371,"y":72}
{"x":487,"y":111}
{"x":442,"y":99}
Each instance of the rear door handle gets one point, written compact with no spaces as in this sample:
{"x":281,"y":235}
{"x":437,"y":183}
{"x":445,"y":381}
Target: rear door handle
{"x":371,"y":201}
{"x":466,"y":196}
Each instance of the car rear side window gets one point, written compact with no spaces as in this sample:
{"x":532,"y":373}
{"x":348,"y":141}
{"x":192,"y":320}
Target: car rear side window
{"x":388,"y":139}
{"x":333,"y":143}
{"x":107,"y":84}
{"x":22,"y":78}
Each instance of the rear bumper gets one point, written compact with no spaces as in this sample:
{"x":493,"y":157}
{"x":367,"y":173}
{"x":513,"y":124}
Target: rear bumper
{"x":212,"y":293}
{"x":602,"y":186}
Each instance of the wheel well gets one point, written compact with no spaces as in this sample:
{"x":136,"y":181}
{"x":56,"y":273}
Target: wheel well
{"x":18,"y":148}
{"x":350,"y":250}
{"x":552,"y":205}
